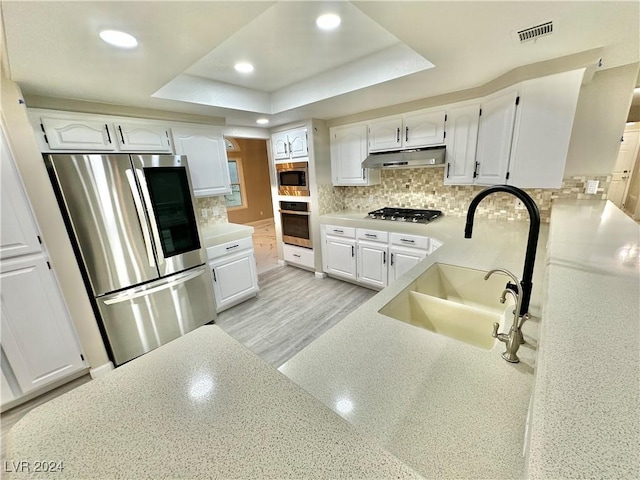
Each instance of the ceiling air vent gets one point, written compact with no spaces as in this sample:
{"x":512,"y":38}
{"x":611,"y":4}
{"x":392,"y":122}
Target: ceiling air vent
{"x":535,"y":32}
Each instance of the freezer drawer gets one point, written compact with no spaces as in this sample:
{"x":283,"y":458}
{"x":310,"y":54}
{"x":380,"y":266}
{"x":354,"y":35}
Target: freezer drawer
{"x":143,"y":318}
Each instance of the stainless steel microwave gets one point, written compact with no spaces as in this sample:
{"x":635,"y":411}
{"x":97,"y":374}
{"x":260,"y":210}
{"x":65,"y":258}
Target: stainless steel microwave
{"x":293,"y":179}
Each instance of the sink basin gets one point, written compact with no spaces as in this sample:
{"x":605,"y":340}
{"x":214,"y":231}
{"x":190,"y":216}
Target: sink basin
{"x":453,"y":301}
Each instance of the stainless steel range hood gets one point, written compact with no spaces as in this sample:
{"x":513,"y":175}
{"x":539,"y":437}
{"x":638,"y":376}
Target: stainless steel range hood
{"x":417,"y":157}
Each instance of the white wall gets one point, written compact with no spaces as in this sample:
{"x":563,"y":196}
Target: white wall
{"x":600,"y":119}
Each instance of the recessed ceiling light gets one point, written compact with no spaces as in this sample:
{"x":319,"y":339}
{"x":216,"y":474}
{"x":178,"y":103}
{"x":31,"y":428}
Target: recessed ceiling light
{"x":262,"y":121}
{"x":119,"y":39}
{"x":243,"y":67}
{"x":328,"y":21}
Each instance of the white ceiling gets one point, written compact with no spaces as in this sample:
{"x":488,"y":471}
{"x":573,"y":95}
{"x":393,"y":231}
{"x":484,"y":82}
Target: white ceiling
{"x":379,"y":56}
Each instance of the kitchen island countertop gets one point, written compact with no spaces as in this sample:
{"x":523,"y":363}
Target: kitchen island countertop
{"x":202,"y":406}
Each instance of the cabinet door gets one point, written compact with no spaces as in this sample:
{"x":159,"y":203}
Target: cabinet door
{"x":403,"y":259}
{"x":85,"y":135}
{"x":298,"y":144}
{"x":348,"y":150}
{"x":207,"y":156}
{"x":142,"y":138}
{"x":385,"y":134}
{"x":543,"y":125}
{"x":372,"y":264}
{"x":423,"y":128}
{"x":280,"y":146}
{"x":37,"y":336}
{"x":340,"y":257}
{"x":462,"y":137}
{"x":18,"y":234}
{"x":234,"y":279}
{"x":495,"y":135}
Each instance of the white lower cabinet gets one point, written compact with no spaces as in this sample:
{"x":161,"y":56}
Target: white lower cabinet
{"x":339,"y":251}
{"x":372,"y":263}
{"x":403,"y":259}
{"x":37,"y":336}
{"x":372,"y":258}
{"x":233,"y":271}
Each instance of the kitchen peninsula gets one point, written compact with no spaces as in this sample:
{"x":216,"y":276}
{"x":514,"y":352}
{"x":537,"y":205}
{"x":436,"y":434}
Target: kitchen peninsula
{"x":414,"y":401}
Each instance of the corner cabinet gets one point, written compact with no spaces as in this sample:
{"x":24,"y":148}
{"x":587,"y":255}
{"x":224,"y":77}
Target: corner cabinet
{"x":207,"y":155}
{"x":348,"y":151}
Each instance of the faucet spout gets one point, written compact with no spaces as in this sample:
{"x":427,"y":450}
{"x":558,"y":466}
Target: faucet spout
{"x":532,"y":241}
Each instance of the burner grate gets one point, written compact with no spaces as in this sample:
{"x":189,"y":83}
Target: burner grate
{"x":405,"y":214}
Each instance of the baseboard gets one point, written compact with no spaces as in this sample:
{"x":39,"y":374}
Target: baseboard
{"x":261,"y":223}
{"x":281,"y":263}
{"x":101,"y":370}
{"x":321,"y":275}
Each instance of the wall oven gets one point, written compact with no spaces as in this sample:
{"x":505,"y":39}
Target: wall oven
{"x":293,"y":178}
{"x":295,"y":223}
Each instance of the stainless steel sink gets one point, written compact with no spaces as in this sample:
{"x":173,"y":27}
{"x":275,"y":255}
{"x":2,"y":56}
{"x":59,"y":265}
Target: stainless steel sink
{"x":452,"y":301}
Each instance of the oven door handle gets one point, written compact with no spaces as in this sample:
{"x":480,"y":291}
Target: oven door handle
{"x":294,"y":212}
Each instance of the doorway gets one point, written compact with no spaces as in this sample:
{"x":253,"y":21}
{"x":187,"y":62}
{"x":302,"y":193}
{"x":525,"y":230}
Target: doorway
{"x":249,"y":202}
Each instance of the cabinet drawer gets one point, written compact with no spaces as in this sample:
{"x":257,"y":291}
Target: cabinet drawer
{"x":228,"y":248}
{"x":298,"y":255}
{"x":372,"y":235}
{"x":416,"y":241}
{"x":347,"y":232}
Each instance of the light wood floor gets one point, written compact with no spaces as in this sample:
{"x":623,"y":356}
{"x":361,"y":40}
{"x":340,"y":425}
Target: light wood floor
{"x":292,"y":309}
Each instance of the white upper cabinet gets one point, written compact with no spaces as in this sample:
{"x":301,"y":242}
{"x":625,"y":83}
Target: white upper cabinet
{"x":384,"y":134}
{"x":416,"y":129}
{"x":290,"y":145}
{"x":495,"y":136}
{"x":18,"y":233}
{"x":82,"y":134}
{"x":206,"y":153}
{"x":136,"y":137}
{"x":544,"y":120}
{"x":462,"y":137}
{"x":348,"y":150}
{"x":424,"y":128}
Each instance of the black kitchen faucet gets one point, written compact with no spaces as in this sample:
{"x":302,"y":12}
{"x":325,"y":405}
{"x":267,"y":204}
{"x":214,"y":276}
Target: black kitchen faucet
{"x":532,"y":242}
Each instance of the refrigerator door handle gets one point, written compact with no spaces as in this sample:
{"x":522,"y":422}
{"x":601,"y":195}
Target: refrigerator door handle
{"x":151,"y":213}
{"x":143,"y":291}
{"x":146,"y":235}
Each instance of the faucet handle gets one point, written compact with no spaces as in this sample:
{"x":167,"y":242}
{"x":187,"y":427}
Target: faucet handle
{"x":496,"y":325}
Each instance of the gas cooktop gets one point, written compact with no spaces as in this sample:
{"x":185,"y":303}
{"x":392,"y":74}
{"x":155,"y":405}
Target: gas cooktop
{"x":405,"y":214}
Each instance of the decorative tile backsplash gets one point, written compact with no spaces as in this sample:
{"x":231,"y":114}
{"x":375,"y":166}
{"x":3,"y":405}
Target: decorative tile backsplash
{"x":213,"y":215}
{"x":424,"y":188}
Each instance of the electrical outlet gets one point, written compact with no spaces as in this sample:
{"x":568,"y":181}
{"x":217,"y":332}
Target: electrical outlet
{"x":216,"y":211}
{"x":370,"y":199}
{"x":519,"y":205}
{"x":204,"y":213}
{"x":591,"y":187}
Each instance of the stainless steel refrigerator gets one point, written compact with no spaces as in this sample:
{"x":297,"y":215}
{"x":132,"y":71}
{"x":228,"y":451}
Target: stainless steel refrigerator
{"x":133,"y":224}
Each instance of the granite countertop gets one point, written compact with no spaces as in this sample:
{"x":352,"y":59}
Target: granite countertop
{"x":447,"y":409}
{"x":586,"y":407}
{"x":220,"y":233}
{"x":202,"y":406}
